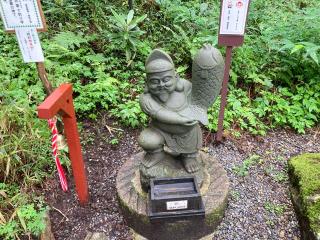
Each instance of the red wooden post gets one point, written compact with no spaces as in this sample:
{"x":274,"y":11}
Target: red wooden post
{"x":60,"y":101}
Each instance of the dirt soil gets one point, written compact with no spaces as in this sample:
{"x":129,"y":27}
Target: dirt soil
{"x":259,"y":204}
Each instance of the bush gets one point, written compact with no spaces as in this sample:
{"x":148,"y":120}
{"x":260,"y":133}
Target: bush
{"x":25,"y":161}
{"x":18,"y":216}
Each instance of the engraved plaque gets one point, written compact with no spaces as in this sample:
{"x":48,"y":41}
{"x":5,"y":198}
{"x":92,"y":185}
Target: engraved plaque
{"x":174,"y":198}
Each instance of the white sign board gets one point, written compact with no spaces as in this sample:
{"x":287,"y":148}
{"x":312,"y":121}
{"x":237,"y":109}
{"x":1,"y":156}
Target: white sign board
{"x":174,"y":205}
{"x":20,"y":13}
{"x":29,"y":44}
{"x":233,"y":17}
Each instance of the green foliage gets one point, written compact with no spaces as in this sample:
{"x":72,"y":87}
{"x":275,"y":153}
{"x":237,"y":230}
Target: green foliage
{"x":185,"y":26}
{"x":23,"y":151}
{"x":298,"y":108}
{"x":126,"y":32}
{"x":130,"y":113}
{"x":25,"y":158}
{"x":69,"y":40}
{"x":17,"y":215}
{"x":60,"y":12}
{"x":235,"y":195}
{"x":277,"y":175}
{"x":277,"y":209}
{"x":243,"y":169}
{"x":100,"y":93}
{"x":114,"y":141}
{"x":274,"y":77}
{"x":240,"y":114}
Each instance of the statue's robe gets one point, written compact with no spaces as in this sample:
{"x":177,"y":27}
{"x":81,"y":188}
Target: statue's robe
{"x":179,"y":138}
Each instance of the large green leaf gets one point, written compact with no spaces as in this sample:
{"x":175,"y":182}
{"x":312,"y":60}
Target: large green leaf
{"x":130,"y":16}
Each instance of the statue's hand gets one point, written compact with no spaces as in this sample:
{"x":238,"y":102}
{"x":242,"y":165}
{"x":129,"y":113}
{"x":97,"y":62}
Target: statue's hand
{"x":191,"y":123}
{"x":171,"y":117}
{"x":188,"y":122}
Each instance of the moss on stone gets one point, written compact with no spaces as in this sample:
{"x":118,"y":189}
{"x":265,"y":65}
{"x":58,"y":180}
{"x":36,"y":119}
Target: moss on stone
{"x":214,"y":218}
{"x":132,"y":212}
{"x":305,"y":170}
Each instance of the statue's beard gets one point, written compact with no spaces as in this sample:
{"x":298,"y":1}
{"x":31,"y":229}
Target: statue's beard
{"x":162,"y":93}
{"x":164,"y":96}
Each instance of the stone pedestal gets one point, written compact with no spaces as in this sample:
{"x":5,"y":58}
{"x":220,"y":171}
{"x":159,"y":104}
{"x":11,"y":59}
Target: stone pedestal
{"x":134,"y":203}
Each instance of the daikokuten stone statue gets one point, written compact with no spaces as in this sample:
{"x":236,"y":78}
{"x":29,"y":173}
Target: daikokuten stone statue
{"x":176,"y":107}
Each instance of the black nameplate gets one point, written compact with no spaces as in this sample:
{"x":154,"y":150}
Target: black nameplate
{"x":174,"y":198}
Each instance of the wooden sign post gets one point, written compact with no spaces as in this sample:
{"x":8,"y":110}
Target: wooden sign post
{"x":26,"y":19}
{"x":233,"y":18}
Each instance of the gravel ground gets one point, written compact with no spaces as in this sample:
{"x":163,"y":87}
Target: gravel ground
{"x":259,"y":204}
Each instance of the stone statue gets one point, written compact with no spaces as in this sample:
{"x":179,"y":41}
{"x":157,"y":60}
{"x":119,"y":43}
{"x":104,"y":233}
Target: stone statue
{"x":176,"y":107}
{"x":172,"y":144}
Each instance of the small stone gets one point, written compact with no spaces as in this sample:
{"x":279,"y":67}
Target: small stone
{"x":282,"y":234}
{"x":96,"y":236}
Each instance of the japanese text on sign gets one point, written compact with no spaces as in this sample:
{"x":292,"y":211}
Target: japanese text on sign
{"x":175,"y":205}
{"x":20,"y":13}
{"x":29,"y":44}
{"x":233,"y":17}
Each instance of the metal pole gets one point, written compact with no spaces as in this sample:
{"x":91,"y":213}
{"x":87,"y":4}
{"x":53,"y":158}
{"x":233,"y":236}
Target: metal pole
{"x":224,"y":92}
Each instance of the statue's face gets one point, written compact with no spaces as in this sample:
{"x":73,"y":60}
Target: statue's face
{"x":162,"y":84}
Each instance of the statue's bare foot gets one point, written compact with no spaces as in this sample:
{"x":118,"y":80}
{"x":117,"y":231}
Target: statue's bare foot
{"x":191,"y":164}
{"x":151,"y":159}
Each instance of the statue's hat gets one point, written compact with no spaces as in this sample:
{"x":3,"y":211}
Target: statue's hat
{"x":159,"y":61}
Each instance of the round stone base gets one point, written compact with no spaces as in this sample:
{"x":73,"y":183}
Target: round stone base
{"x":137,"y":236}
{"x":134,"y":203}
